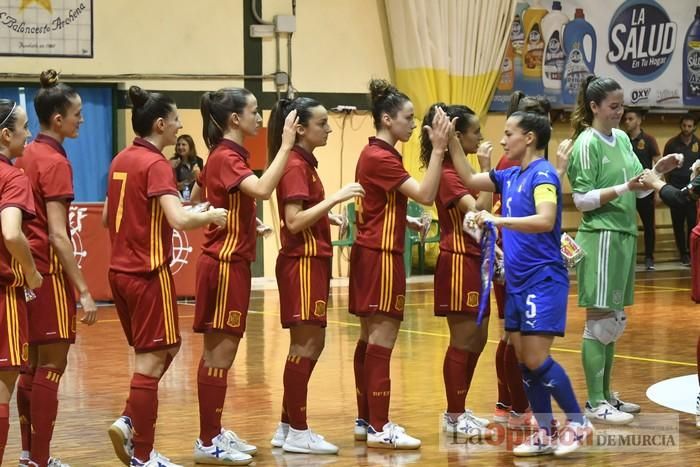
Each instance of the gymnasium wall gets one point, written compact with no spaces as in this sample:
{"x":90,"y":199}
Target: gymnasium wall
{"x":339,"y":45}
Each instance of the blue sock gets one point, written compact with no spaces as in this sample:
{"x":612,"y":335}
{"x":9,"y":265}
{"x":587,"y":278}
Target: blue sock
{"x":554,"y":379}
{"x":539,"y":398}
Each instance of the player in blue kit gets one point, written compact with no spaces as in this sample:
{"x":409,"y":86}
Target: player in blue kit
{"x":537,"y":283}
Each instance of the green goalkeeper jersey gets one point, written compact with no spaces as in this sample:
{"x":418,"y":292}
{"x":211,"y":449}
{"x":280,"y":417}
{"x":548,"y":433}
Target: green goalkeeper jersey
{"x":598,"y":162}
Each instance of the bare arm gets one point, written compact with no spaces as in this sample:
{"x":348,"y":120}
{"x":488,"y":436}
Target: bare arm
{"x":471,"y":179}
{"x":541,"y":222}
{"x":57,"y":215}
{"x":425,"y":191}
{"x":196,"y":195}
{"x":297,"y":219}
{"x":181,"y":219}
{"x":17,"y":245}
{"x":263,"y":187}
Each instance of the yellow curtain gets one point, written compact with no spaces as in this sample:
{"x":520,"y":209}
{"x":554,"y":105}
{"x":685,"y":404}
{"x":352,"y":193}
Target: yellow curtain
{"x":447,"y":51}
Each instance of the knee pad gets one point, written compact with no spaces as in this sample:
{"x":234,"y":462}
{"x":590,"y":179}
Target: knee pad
{"x":608,"y":329}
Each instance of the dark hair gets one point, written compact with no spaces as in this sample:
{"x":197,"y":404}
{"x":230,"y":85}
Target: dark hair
{"x":53,"y":97}
{"x":8,"y":114}
{"x":280,"y":111}
{"x":536,"y":123}
{"x":638,"y":111}
{"x":216,"y":108}
{"x":147,"y":107}
{"x":524,"y":103}
{"x":688,"y":116}
{"x":592,"y":89}
{"x":465,"y":118}
{"x":385,"y":98}
{"x":190,"y":142}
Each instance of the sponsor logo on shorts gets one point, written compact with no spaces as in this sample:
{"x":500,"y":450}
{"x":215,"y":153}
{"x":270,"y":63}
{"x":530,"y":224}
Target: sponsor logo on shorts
{"x":320,"y":309}
{"x":234,"y":319}
{"x":400,"y":301}
{"x":473,"y":299}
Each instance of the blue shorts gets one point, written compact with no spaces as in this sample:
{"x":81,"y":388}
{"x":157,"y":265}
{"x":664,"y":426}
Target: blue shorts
{"x":538,"y":309}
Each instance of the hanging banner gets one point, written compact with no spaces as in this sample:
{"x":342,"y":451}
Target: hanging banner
{"x":48,"y":28}
{"x":652,"y":48}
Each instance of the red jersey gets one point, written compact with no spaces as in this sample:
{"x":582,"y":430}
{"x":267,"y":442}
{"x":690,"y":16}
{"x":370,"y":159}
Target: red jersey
{"x":381,"y":214}
{"x":227,"y":166}
{"x":503,"y":163}
{"x":300,"y":182}
{"x":141,"y":236}
{"x":452,"y":236}
{"x":46,"y":164}
{"x":15,"y":191}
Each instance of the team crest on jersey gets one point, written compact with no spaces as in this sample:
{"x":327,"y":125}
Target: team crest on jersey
{"x":641,"y":145}
{"x":473,"y":299}
{"x":695,"y":147}
{"x":320,"y":309}
{"x":234,"y":319}
{"x":25,"y":352}
{"x":400,"y":301}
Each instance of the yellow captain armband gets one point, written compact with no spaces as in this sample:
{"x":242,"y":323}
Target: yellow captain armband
{"x":546,"y":193}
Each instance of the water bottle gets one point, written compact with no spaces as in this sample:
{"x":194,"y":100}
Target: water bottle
{"x":186,"y":193}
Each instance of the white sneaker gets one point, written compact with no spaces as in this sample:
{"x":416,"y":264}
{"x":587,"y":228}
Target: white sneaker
{"x":467,"y":426}
{"x":361,"y":429}
{"x":697,"y":412}
{"x":538,"y":444}
{"x":280,"y":435}
{"x":219,"y":453}
{"x":622,"y":406}
{"x":606,"y":413}
{"x":573,"y":437}
{"x":121,"y":433}
{"x":53,"y":462}
{"x":392,"y":436}
{"x":156,"y":459}
{"x":236,"y":443}
{"x":307,"y":442}
{"x":23,"y":458}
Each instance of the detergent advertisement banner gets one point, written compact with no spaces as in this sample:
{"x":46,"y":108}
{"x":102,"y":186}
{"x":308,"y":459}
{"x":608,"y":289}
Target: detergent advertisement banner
{"x":652,"y":48}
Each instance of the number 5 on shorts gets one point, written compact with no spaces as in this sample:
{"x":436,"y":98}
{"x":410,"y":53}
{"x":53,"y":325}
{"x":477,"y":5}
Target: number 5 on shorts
{"x":531,"y":311}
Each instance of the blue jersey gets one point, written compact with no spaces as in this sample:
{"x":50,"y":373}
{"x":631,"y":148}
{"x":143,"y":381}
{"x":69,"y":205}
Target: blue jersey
{"x":529,"y":256}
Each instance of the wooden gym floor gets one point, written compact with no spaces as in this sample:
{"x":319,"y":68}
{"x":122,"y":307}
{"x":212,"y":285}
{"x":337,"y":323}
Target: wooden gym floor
{"x":659,"y":344}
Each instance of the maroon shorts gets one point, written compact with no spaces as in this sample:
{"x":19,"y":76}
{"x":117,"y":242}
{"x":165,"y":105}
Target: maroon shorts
{"x":377,"y":283}
{"x":303,"y":284}
{"x":222,"y":295}
{"x":457,"y":284}
{"x":52,"y":314}
{"x":499,"y":290}
{"x":14,"y":349}
{"x":147,"y":308}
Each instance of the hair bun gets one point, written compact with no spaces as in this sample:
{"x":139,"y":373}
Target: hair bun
{"x":48,"y":78}
{"x":380,"y":89}
{"x":138,"y":96}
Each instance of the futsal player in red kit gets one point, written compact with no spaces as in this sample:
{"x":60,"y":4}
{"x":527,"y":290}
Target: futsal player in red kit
{"x":303,"y":264}
{"x":457,"y":289}
{"x":52,"y":325}
{"x":17,"y":268}
{"x":223,"y":270}
{"x":142,"y":208}
{"x":377,"y":275}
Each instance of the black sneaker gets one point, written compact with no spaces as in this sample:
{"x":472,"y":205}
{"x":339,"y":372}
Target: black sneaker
{"x":685,"y":260}
{"x":650,"y":264}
